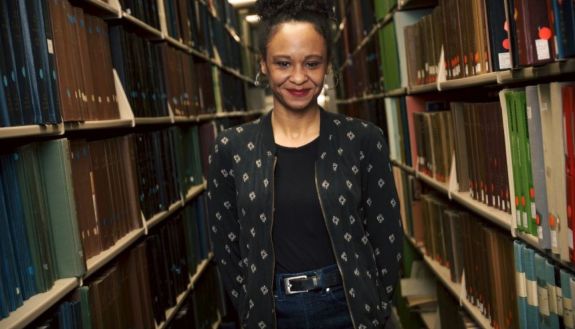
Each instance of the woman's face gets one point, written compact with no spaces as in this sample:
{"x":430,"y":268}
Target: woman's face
{"x":295,"y":64}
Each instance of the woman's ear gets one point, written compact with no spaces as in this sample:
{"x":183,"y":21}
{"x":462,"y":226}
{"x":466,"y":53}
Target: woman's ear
{"x":263,"y":66}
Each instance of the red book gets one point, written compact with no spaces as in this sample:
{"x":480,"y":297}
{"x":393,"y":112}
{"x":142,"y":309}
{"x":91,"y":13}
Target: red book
{"x":568,"y":96}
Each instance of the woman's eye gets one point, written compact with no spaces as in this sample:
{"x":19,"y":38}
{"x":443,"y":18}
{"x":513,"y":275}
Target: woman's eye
{"x":283,"y":64}
{"x":312,"y":65}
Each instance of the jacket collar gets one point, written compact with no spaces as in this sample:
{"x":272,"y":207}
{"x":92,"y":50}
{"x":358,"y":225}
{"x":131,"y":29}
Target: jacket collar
{"x":326,"y":127}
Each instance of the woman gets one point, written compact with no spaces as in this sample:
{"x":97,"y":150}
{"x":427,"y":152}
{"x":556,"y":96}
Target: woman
{"x":303,"y":210}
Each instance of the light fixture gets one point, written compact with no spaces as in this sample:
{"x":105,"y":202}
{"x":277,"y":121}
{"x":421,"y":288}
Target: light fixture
{"x":253,"y":19}
{"x":242,"y":3}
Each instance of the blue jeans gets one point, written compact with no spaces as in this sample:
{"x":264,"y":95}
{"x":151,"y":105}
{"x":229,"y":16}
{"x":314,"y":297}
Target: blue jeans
{"x":326,"y":308}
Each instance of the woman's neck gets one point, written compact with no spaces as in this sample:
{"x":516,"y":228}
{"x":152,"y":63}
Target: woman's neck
{"x":294,"y":128}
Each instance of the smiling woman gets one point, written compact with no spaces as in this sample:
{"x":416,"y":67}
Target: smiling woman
{"x":304,"y":220}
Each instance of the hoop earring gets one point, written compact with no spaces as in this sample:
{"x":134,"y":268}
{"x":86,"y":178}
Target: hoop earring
{"x":258,"y":81}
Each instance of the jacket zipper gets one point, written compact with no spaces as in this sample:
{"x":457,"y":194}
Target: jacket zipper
{"x":272,"y":241}
{"x":333,"y":247}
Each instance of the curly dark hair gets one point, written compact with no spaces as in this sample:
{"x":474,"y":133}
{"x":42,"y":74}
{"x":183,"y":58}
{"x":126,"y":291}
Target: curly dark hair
{"x":272,"y":13}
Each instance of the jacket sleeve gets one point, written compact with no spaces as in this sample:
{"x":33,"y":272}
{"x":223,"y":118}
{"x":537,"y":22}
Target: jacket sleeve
{"x":223,"y":219}
{"x":382,"y":212}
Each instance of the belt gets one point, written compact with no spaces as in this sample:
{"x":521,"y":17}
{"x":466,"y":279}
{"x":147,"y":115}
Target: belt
{"x":304,"y":283}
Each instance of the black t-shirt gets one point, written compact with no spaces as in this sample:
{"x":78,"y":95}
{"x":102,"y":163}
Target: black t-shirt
{"x":301,"y":241}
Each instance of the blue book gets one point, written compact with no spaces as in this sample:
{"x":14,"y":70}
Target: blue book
{"x":4,"y":116}
{"x":538,"y":165}
{"x":32,"y":112}
{"x":14,"y":211}
{"x":564,"y":28}
{"x":552,"y":287}
{"x":10,"y":79}
{"x":8,"y":264}
{"x":542,"y":294}
{"x":530,"y":277}
{"x":43,"y":66}
{"x":4,"y":311}
{"x":518,"y":251}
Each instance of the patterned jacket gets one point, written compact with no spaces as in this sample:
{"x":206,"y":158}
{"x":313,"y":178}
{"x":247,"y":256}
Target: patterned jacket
{"x":358,"y":200}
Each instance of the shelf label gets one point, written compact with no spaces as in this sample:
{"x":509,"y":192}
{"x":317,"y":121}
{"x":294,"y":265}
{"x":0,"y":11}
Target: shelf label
{"x":559,"y":296}
{"x":532,"y":297}
{"x":542,"y":47}
{"x":521,"y":284}
{"x":504,"y":60}
{"x":552,"y":292}
{"x":50,"y":46}
{"x":540,"y":232}
{"x":554,"y":243}
{"x":543,"y":298}
{"x":568,"y":312}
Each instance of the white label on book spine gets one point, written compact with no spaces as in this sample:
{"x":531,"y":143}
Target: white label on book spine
{"x":504,"y":60}
{"x":521,"y":284}
{"x":532,"y":293}
{"x":518,"y":219}
{"x":554,"y":244}
{"x":570,"y":238}
{"x":543,"y":298}
{"x":542,"y":46}
{"x":540,"y":232}
{"x":533,"y":210}
{"x":568,"y":312}
{"x":50,"y":46}
{"x":552,"y":292}
{"x":559,"y":296}
{"x":524,"y":218}
{"x":477,"y":68}
{"x":529,"y":113}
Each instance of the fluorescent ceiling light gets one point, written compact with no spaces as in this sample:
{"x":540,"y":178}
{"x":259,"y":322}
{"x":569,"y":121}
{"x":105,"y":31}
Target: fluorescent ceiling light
{"x":241,"y":3}
{"x":252,"y":19}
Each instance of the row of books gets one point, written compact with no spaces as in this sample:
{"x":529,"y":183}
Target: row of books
{"x":460,"y":242}
{"x":37,"y":221}
{"x":540,"y":158}
{"x":508,"y":154}
{"x":510,"y":283}
{"x":369,"y":111}
{"x":146,"y":11}
{"x":47,"y":81}
{"x":104,"y":187}
{"x":193,"y":22}
{"x":138,"y":289}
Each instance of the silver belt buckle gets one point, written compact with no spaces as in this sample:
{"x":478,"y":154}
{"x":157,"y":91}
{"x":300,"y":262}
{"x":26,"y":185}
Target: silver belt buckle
{"x":288,"y":285}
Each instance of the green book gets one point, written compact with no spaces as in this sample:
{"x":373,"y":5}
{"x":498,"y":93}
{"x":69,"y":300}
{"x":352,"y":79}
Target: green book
{"x":389,"y":57}
{"x":36,"y":218}
{"x":85,"y":306}
{"x":527,"y":197}
{"x":513,"y":142}
{"x":56,"y":171}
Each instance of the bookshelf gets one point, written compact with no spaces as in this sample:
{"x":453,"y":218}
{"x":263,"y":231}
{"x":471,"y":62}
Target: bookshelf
{"x":425,"y":87}
{"x":112,"y":14}
{"x":32,"y":130}
{"x":171,"y":313}
{"x":38,"y":304}
{"x":456,"y":289}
